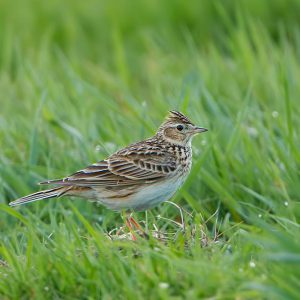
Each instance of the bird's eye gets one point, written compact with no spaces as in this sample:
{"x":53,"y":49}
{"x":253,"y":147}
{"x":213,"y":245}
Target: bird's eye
{"x":179,"y":127}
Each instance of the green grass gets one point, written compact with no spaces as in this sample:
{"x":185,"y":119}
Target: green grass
{"x":81,"y":79}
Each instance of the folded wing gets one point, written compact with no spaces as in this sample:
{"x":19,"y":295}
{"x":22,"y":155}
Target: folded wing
{"x":123,"y":169}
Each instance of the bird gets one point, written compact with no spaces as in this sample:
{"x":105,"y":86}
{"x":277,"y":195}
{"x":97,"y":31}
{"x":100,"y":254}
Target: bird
{"x":135,"y":178}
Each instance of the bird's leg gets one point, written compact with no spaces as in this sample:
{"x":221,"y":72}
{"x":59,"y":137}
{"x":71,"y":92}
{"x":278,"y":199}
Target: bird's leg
{"x":137,"y":226}
{"x":128,"y":224}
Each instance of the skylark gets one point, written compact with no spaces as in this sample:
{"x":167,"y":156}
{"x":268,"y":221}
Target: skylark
{"x":137,"y":177}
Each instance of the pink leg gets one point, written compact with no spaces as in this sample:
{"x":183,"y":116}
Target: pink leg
{"x":138,"y":226}
{"x":129,"y":226}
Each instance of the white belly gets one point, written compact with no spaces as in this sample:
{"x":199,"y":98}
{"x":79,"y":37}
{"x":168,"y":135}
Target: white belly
{"x":148,"y":197}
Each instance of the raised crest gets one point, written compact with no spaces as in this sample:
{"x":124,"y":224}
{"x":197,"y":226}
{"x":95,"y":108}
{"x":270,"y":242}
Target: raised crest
{"x":176,"y":116}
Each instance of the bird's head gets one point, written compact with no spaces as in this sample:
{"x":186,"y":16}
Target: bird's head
{"x":178,"y":129}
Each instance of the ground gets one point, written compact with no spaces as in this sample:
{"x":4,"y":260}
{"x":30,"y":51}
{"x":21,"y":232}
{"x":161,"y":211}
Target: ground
{"x":79,"y":80}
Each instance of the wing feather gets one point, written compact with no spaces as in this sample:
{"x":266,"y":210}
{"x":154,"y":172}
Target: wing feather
{"x":123,"y":168}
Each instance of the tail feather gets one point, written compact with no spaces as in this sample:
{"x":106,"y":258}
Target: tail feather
{"x":53,"y":181}
{"x":46,"y":194}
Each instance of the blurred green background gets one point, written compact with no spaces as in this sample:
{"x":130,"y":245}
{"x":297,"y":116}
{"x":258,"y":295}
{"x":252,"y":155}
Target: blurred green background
{"x":79,"y":80}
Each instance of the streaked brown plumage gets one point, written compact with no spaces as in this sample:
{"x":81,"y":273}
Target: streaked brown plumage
{"x":137,"y":177}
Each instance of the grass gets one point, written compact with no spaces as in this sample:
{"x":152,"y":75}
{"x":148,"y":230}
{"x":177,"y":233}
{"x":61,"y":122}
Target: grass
{"x":78,"y":80}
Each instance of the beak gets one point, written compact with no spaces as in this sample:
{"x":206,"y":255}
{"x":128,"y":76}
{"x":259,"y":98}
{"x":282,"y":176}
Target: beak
{"x":197,"y":129}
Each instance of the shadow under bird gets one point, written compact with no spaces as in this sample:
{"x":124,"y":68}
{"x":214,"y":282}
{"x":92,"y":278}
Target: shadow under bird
{"x":138,"y":177}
